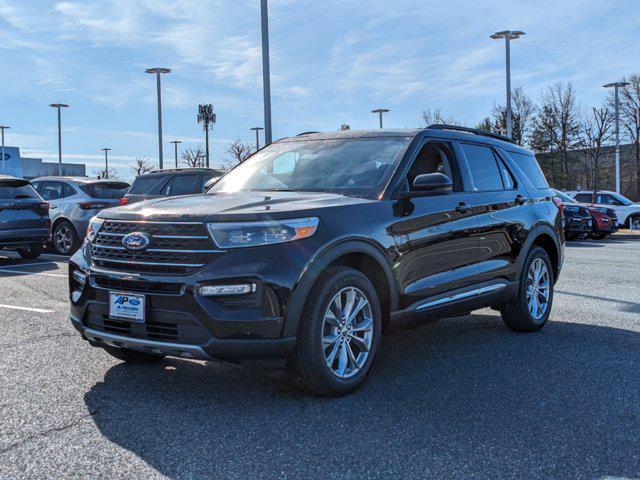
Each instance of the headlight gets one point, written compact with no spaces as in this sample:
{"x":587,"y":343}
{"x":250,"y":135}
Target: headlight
{"x":94,"y":225}
{"x":253,"y":234}
{"x":571,"y":208}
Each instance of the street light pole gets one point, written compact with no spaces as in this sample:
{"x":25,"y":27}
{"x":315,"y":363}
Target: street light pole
{"x":266,"y":77}
{"x":106,"y":161}
{"x":158,"y":72}
{"x":257,"y":130}
{"x":617,"y":86}
{"x":508,"y":35}
{"x":59,"y":106}
{"x":380,"y":111}
{"x":3,"y":128}
{"x":175,"y":146}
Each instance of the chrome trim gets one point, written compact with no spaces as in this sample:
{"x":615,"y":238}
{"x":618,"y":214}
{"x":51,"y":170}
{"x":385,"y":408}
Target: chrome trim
{"x":460,"y":296}
{"x":147,"y":346}
{"x":102,"y":259}
{"x":175,"y":237}
{"x":152,"y":221}
{"x":157,"y":250}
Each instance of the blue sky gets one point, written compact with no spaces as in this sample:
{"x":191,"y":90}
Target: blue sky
{"x":332,"y":62}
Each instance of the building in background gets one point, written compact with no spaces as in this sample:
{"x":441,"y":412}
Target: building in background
{"x":23,"y":167}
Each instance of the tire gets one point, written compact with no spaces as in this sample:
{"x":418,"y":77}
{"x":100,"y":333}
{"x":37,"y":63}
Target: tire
{"x":64,"y":238}
{"x":634,"y":219}
{"x":325,"y":367}
{"x":30,"y":253}
{"x":599,"y":235}
{"x":131,"y":356}
{"x":517,"y":314}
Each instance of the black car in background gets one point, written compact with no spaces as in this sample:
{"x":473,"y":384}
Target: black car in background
{"x":24,"y":217}
{"x":169,"y":183}
{"x":577,"y":218}
{"x":300,"y":255}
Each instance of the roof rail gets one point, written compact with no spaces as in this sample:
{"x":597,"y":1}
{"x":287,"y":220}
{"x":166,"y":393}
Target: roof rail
{"x":169,"y":170}
{"x":484,"y":133}
{"x":305,"y":133}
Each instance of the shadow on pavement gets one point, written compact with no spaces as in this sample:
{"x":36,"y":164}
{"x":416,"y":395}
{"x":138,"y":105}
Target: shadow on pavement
{"x":463,"y":398}
{"x":19,"y":266}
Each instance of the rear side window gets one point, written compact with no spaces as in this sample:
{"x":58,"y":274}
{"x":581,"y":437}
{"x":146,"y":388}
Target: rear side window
{"x":529,"y":165}
{"x":484,"y":169}
{"x":55,"y":190}
{"x":17,"y":190}
{"x":105,"y":189}
{"x":584,"y":197}
{"x":183,"y":185}
{"x":145,"y":184}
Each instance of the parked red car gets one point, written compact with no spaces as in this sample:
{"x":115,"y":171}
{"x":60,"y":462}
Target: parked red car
{"x":604,"y":221}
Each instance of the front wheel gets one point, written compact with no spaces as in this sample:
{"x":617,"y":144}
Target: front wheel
{"x":634,"y":222}
{"x":529,"y":311}
{"x":339,"y":333}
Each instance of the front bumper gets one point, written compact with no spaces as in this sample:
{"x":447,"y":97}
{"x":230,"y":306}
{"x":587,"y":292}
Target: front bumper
{"x":578,"y":225}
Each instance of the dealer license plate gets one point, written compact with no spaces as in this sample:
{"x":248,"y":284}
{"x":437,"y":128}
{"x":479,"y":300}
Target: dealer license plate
{"x":125,"y":306}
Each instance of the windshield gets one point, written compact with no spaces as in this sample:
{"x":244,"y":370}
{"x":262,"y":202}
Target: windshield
{"x":564,"y":197}
{"x":112,"y":190}
{"x":623,"y":200}
{"x":359,"y":167}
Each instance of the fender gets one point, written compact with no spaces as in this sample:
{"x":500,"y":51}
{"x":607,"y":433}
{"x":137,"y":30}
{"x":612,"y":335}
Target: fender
{"x":319,"y":263}
{"x":536,"y":231}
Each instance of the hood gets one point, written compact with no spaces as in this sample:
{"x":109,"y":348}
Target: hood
{"x":230,"y":206}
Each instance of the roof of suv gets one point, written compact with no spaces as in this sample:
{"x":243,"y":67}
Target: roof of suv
{"x":179,"y":171}
{"x":76,"y":179}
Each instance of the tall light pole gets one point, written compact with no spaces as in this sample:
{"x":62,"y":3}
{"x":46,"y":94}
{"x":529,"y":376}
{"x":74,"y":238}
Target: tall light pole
{"x":207,"y":118}
{"x":175,"y":146}
{"x":3,"y":128}
{"x":59,"y":106}
{"x":257,"y":130}
{"x":617,"y":86}
{"x":106,"y":161}
{"x":380,"y":111}
{"x":158,"y":72}
{"x":508,"y":35}
{"x":266,"y":77}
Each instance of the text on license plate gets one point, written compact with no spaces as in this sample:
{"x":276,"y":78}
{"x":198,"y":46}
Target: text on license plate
{"x":126,"y":306}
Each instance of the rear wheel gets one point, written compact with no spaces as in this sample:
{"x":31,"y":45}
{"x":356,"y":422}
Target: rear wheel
{"x":131,"y":356}
{"x":529,"y":311}
{"x":634,"y":222}
{"x":339,"y":333}
{"x":30,"y":253}
{"x":65,"y":238}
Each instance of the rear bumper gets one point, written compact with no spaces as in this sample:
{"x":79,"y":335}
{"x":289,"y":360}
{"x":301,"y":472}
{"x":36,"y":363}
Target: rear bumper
{"x":23,"y":237}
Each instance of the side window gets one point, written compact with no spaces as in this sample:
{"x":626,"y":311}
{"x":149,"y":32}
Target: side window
{"x":484,"y":169}
{"x":435,"y":157}
{"x":36,"y":185}
{"x":507,"y":178}
{"x":531,"y":168}
{"x":606,"y":200}
{"x":183,"y":185}
{"x":52,"y":190}
{"x":68,"y":190}
{"x":583,"y":198}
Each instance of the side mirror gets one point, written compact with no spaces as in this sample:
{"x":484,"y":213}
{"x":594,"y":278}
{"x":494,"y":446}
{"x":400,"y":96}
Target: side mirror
{"x":432,"y":183}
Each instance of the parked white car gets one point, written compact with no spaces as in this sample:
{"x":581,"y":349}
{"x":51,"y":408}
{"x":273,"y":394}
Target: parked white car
{"x":627,"y":211}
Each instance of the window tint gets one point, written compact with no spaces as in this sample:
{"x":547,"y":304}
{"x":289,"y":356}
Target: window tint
{"x":16,"y":190}
{"x":105,"y":189}
{"x":434,"y":158}
{"x":68,"y":190}
{"x":529,"y":165}
{"x":183,"y":185}
{"x":606,"y":199}
{"x":52,"y":190}
{"x":145,"y":184}
{"x":484,"y":169}
{"x":584,"y":197}
{"x":507,"y":178}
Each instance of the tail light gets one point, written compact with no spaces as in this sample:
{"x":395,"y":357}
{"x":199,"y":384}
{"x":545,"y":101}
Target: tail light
{"x":559,"y":204}
{"x":124,"y":201}
{"x":93,"y":205}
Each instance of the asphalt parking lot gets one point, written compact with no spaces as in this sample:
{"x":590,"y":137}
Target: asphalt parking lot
{"x":462,"y":398}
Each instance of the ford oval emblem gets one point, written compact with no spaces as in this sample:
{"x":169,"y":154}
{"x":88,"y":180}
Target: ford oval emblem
{"x":136,"y":241}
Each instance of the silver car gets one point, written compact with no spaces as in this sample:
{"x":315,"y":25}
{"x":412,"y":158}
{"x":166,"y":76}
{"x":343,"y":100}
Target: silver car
{"x":73,"y":201}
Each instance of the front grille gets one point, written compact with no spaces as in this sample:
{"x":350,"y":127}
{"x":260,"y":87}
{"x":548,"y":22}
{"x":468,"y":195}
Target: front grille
{"x":176,"y":248}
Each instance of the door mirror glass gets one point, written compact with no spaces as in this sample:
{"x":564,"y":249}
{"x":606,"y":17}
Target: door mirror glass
{"x":433,"y":182}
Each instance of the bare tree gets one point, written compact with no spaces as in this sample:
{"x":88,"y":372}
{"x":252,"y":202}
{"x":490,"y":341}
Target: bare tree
{"x":193,"y":157}
{"x":596,"y":132}
{"x":523,"y":110}
{"x":345,"y":126}
{"x":238,"y":151}
{"x":142,"y":165}
{"x":630,"y":119}
{"x":432,"y":117}
{"x":101,"y":174}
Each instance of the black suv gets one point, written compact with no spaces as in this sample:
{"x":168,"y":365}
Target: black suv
{"x":304,"y":253}
{"x":172,"y":182}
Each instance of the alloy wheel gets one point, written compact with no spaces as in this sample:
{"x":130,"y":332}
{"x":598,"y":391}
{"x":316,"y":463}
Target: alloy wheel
{"x":635,"y":224}
{"x":63,"y":238}
{"x":347,"y":332}
{"x":538,"y":289}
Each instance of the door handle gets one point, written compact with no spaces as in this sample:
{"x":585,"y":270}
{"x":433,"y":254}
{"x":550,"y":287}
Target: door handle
{"x":520,"y":199}
{"x":52,"y":207}
{"x":462,"y":207}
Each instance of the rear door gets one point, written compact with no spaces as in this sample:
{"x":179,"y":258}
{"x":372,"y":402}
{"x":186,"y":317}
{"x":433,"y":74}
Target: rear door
{"x":501,"y":201}
{"x":22,"y":211}
{"x":436,"y":234}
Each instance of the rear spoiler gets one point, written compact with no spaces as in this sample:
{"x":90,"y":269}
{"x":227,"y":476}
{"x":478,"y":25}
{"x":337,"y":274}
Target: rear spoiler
{"x":13,"y":182}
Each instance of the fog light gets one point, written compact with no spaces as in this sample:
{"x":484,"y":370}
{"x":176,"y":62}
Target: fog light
{"x":226,"y":290}
{"x":80,"y":277}
{"x":75,"y":295}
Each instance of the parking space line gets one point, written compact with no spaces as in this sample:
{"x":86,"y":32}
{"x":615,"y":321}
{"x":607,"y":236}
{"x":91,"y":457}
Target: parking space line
{"x":25,"y":272}
{"x":28,"y":264}
{"x":28,"y":309}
